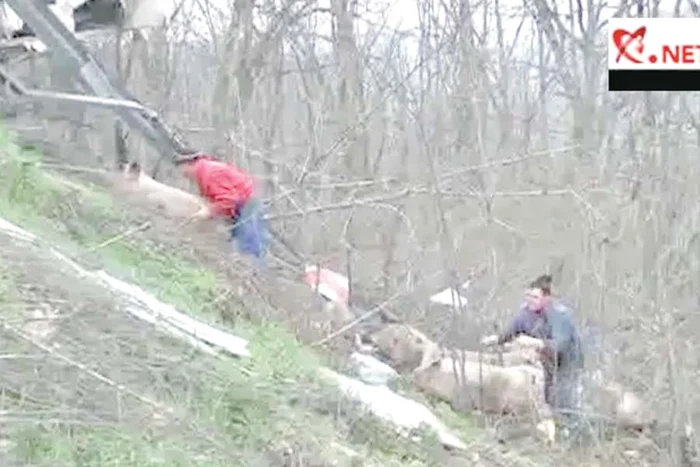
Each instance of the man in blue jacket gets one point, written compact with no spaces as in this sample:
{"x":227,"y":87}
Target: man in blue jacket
{"x":543,"y":318}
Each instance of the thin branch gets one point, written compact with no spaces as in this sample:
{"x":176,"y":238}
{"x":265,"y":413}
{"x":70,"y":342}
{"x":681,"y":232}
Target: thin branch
{"x":85,"y":369}
{"x":116,"y":238}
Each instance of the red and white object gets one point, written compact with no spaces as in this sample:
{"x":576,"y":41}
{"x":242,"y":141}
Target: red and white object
{"x":332,"y":286}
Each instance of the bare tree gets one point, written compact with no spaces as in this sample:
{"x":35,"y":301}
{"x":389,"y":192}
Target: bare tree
{"x":479,"y":143}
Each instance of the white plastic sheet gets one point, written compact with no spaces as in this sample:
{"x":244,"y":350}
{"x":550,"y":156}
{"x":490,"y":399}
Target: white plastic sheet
{"x":379,"y":399}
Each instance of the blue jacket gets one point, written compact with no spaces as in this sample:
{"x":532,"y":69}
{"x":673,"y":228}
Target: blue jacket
{"x":557,"y":327}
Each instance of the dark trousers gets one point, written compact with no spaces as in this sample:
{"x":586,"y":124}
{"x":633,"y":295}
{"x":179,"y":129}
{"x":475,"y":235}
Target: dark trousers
{"x":562,"y":390}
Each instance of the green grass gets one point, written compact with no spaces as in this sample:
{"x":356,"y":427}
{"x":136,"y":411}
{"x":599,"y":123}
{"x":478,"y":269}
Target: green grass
{"x":262,"y":405}
{"x":44,"y":202}
{"x":185,"y":286}
{"x":96,"y":446}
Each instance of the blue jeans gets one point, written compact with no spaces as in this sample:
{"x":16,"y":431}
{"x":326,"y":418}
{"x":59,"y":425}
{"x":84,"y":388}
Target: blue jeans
{"x":250,"y":229}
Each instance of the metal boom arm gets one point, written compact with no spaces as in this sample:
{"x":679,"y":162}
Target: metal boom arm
{"x":72,"y":54}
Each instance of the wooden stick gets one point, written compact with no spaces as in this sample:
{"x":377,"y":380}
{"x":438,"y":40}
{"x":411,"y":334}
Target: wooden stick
{"x":94,"y":374}
{"x":121,"y":236}
{"x":376,"y":310}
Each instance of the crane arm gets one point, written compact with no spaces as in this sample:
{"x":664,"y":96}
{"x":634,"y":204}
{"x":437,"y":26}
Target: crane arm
{"x":71,"y":54}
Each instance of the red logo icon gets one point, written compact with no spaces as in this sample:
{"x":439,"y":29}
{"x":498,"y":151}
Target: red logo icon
{"x":629,"y":45}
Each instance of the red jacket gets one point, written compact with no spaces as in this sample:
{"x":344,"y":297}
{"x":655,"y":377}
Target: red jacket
{"x":224,"y":185}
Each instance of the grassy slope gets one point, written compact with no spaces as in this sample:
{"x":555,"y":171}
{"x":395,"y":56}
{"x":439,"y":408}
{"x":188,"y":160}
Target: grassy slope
{"x":274,"y":405}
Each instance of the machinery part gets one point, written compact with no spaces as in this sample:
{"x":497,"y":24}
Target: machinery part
{"x":73,"y":55}
{"x":16,"y":86}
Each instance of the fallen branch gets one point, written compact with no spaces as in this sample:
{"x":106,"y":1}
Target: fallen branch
{"x":116,"y":238}
{"x":68,"y":168}
{"x":505,"y":162}
{"x":345,"y":205}
{"x":378,"y":309}
{"x":85,"y":369}
{"x":416,"y":191}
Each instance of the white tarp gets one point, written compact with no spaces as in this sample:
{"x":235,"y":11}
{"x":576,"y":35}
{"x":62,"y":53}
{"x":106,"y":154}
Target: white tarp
{"x":378,"y":398}
{"x":451,"y":297}
{"x":145,"y":306}
{"x":386,"y":404}
{"x":372,"y":371}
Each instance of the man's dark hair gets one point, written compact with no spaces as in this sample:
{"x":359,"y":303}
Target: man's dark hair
{"x":544,"y":283}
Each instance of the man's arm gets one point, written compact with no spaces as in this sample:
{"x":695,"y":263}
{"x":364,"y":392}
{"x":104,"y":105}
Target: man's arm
{"x":515,"y":327}
{"x":223,"y":202}
{"x":209,"y":210}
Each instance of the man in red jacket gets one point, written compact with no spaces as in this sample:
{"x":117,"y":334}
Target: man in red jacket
{"x":229,"y":193}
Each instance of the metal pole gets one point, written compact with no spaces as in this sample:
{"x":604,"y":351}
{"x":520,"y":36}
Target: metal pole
{"x":22,"y":90}
{"x":82,"y":99}
{"x":72,"y":54}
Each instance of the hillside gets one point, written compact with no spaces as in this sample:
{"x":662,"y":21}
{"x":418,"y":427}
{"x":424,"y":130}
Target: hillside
{"x":467,"y":142}
{"x":84,"y":383}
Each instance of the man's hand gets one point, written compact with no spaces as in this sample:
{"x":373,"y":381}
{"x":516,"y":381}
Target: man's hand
{"x":489,"y":341}
{"x":529,"y":342}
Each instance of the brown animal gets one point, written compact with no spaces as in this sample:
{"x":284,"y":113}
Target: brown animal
{"x":469,"y":385}
{"x":623,"y":407}
{"x":335,"y":315}
{"x":404,"y":346}
{"x":173,"y":201}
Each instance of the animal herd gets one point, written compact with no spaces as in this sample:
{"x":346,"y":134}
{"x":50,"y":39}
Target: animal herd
{"x":507,"y":383}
